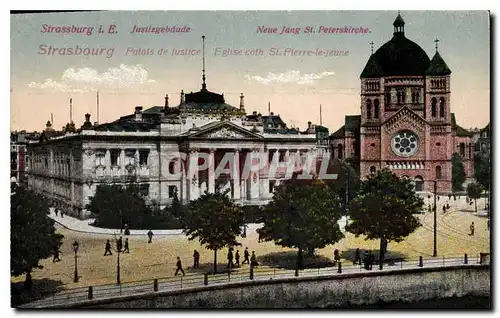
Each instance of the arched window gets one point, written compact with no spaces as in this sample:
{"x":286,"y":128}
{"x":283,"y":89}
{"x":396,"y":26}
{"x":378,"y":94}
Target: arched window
{"x":388,"y":98}
{"x":369,"y":109}
{"x":373,"y":169}
{"x":438,"y":172}
{"x":403,"y":96}
{"x":441,"y":107}
{"x":376,"y":106}
{"x":433,"y":107}
{"x":171,"y":167}
{"x":418,"y":183}
{"x":339,"y":151}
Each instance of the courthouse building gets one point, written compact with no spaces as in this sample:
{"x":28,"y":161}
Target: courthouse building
{"x":406,"y":123}
{"x":144,"y":147}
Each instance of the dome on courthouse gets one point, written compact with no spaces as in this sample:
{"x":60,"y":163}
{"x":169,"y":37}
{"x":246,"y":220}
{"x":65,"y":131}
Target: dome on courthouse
{"x":398,"y":57}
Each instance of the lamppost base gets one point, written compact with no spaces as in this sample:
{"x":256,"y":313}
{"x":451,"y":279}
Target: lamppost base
{"x":75,"y":278}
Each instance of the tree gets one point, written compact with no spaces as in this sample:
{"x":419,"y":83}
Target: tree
{"x":116,"y":205}
{"x":384,"y":209}
{"x":349,"y":174}
{"x":215,"y":221}
{"x":482,"y":171}
{"x":302,"y":215}
{"x":457,"y":173}
{"x":474,"y":191}
{"x":32,"y":232}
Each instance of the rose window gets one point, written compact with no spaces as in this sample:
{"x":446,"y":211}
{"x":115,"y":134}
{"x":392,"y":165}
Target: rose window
{"x":405,"y":143}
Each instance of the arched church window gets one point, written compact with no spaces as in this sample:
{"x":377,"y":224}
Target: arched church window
{"x":441,"y":107}
{"x":403,"y":96}
{"x":373,"y":169}
{"x":433,"y":107}
{"x":339,"y":151}
{"x":438,"y":172}
{"x":376,"y":109}
{"x":369,"y":109}
{"x":388,"y":98}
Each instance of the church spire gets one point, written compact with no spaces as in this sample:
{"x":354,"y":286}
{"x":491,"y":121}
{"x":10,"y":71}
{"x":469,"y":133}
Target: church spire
{"x":203,"y":85}
{"x":399,"y":25}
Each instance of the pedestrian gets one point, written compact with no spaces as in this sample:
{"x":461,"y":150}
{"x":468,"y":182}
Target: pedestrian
{"x":444,"y":209}
{"x":62,"y":214}
{"x":371,"y":259}
{"x":246,"y":255}
{"x":196,"y":259}
{"x":126,"y":246}
{"x":430,"y":208}
{"x":55,"y":210}
{"x":244,"y":231}
{"x":126,"y":231}
{"x":179,"y":267}
{"x":237,"y":258}
{"x":366,"y":261}
{"x":253,"y":260}
{"x":336,"y":257}
{"x":438,"y":197}
{"x":447,"y":206}
{"x":150,"y":235}
{"x":454,"y":198}
{"x":449,"y":196}
{"x":471,"y":227}
{"x":108,"y":248}
{"x":119,"y":244}
{"x":357,"y":257}
{"x":230,"y":263}
{"x":56,"y":255}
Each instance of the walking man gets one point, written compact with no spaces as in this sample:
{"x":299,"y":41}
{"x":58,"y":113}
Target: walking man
{"x":56,"y":255}
{"x":179,"y":267}
{"x":357,"y":258}
{"x":62,"y":214}
{"x":126,"y":250}
{"x":55,"y":210}
{"x":119,"y":244}
{"x":237,"y":258}
{"x":246,"y":255}
{"x":230,"y":263}
{"x":253,"y":260}
{"x":196,"y":259}
{"x":108,"y":248}
{"x":471,"y":229}
{"x":150,"y":235}
{"x":336,"y":257}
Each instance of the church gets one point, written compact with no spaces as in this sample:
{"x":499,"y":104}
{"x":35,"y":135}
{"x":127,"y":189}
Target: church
{"x":406,"y":124}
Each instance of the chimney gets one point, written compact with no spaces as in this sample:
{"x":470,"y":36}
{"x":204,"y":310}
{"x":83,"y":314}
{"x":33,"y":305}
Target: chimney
{"x":87,"y":118}
{"x":272,"y":114}
{"x":254,"y":112}
{"x":309,"y":125}
{"x":166,"y":101}
{"x":138,"y":113}
{"x":182,"y":96}
{"x":242,"y":102}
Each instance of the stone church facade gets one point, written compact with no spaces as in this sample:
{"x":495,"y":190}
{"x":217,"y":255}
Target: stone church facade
{"x":406,"y":123}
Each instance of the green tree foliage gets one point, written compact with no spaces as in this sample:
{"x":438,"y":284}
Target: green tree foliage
{"x":32,"y":232}
{"x":474,"y":191}
{"x":349,"y":174}
{"x":215,"y":221}
{"x":384,"y":209}
{"x":116,"y":205}
{"x":457,"y":173}
{"x":482,"y":171}
{"x":302,"y":215}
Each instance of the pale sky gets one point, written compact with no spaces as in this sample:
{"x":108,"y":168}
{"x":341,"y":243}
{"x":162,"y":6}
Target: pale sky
{"x":295,"y":86}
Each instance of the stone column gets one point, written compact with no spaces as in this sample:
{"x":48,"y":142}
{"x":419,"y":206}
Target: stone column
{"x":107,"y":162}
{"x":254,"y":182}
{"x":193,"y":177}
{"x":211,"y":171}
{"x":236,"y":175}
{"x":121,"y":163}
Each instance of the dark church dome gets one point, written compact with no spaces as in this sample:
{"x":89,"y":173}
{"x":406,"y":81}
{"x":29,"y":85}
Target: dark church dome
{"x":398,"y":57}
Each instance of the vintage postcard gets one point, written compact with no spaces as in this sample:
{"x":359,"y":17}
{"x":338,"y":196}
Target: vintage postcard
{"x":250,"y":159}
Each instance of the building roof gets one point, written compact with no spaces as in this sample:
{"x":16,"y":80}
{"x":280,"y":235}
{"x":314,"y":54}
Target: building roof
{"x":372,"y":68}
{"x":438,"y":66}
{"x":459,"y":131}
{"x":340,"y":133}
{"x":352,"y":122}
{"x":399,"y":56}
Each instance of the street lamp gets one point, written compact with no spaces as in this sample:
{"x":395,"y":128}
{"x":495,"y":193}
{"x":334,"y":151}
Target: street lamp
{"x":118,"y":267}
{"x":434,"y":253}
{"x":121,"y":221}
{"x":76,"y":246}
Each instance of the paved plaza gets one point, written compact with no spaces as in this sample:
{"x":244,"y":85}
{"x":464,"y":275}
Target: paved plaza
{"x":157,"y":260}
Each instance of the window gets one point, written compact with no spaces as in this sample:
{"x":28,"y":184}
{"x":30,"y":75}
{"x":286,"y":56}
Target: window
{"x":272,"y":183}
{"x":271,"y":155}
{"x":100,"y":157}
{"x":129,"y":157}
{"x":144,"y":189}
{"x":143,"y":157}
{"x":376,"y":108}
{"x":282,"y":157}
{"x":172,"y":191}
{"x":433,"y":107}
{"x":470,"y":151}
{"x":373,"y":169}
{"x":388,"y":98}
{"x":339,"y":151}
{"x":441,"y":107}
{"x":115,"y":155}
{"x":462,"y":149}
{"x":171,"y":167}
{"x":369,"y":109}
{"x":438,"y":172}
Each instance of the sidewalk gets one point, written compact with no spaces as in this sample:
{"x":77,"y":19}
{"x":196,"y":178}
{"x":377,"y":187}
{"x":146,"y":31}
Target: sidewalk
{"x":84,"y":226}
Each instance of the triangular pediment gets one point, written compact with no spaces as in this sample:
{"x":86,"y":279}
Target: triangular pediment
{"x":223,"y":130}
{"x":403,"y":118}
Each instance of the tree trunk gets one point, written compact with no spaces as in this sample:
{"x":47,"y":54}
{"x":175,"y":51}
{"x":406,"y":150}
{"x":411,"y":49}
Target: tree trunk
{"x":28,"y":282}
{"x":300,"y":259}
{"x":475,"y":204}
{"x":215,"y":261}
{"x":382,"y":252}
